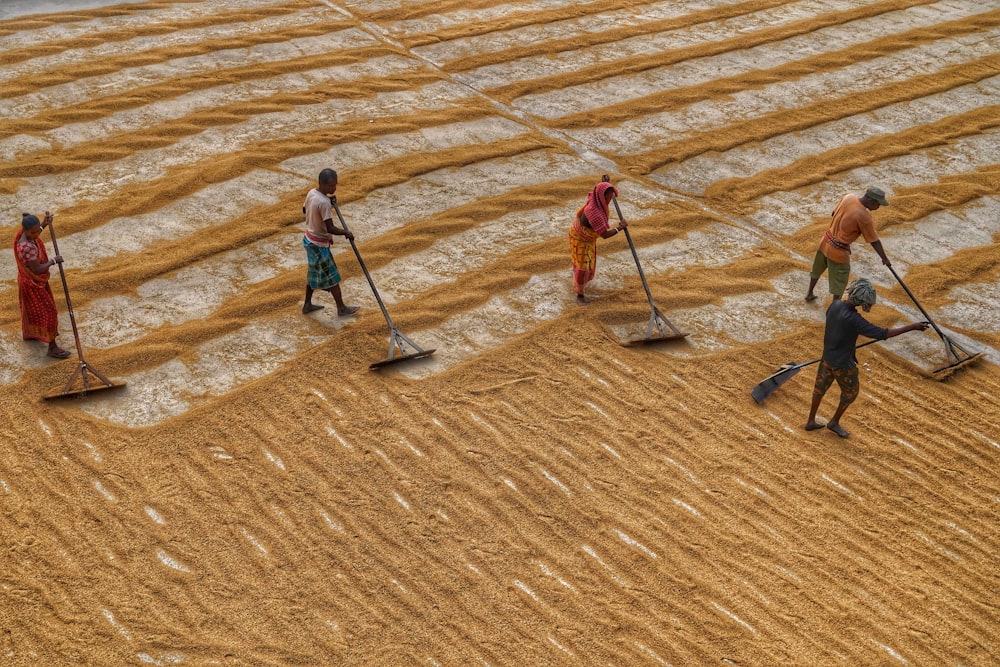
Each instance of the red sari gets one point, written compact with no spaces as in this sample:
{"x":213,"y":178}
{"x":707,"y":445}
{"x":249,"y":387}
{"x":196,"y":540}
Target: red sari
{"x":39,"y":319}
{"x":583,"y":240}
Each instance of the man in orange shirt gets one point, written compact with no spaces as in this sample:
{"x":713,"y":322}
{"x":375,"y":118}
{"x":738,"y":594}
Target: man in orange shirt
{"x":851,"y":219}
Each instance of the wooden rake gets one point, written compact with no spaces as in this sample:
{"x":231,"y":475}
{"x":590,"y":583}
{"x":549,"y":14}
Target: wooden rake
{"x":659,"y":328}
{"x":90,"y":379}
{"x":957,"y":355}
{"x":401,"y":348}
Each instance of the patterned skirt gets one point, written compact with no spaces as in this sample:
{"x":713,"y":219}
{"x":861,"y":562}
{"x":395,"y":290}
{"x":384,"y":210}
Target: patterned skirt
{"x":583,"y":251}
{"x":323,"y":273}
{"x":39,"y":319}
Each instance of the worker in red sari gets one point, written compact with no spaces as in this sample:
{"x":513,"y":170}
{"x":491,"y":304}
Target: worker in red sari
{"x":591,"y":222}
{"x":39,"y":319}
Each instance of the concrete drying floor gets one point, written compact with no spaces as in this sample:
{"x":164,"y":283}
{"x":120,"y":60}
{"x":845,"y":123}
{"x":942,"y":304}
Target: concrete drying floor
{"x":533,"y":493}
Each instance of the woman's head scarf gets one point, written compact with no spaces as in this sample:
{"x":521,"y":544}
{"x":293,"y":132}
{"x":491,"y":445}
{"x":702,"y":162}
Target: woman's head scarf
{"x":596,"y":208}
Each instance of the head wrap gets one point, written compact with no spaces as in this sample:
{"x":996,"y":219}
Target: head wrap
{"x":596,"y":208}
{"x":862,"y":293}
{"x":28,"y":221}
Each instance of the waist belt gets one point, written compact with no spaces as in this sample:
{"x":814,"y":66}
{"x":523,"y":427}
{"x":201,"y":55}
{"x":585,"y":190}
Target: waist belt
{"x":846,"y":247}
{"x":316,"y":239}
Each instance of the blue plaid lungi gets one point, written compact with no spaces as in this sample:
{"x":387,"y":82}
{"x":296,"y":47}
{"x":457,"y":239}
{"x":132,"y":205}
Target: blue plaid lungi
{"x":323,"y":273}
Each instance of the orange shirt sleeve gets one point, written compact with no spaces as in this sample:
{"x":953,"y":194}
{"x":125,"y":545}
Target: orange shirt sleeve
{"x":866,"y":225}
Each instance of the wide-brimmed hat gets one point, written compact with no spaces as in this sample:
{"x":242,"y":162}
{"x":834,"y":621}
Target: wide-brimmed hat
{"x":878,"y":195}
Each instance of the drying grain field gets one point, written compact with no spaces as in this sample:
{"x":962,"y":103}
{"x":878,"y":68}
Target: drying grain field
{"x":534,"y":493}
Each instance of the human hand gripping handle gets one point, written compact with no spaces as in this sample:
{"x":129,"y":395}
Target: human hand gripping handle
{"x":877,"y":246}
{"x":916,"y":326}
{"x":345,"y":232}
{"x":57,"y":258}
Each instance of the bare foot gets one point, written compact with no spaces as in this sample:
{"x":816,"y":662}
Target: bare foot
{"x":310,"y":307}
{"x":813,"y":425}
{"x":348,"y":310}
{"x":58,"y":353}
{"x":838,"y":429}
{"x":581,"y":300}
{"x":810,"y":297}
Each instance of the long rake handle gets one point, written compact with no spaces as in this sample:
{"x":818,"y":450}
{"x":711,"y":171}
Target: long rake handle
{"x":631,"y":246}
{"x":635,"y":255}
{"x":371,"y":283}
{"x":917,"y":304}
{"x":816,"y":361}
{"x":82,"y":368}
{"x":69,"y":304}
{"x":950,"y":346}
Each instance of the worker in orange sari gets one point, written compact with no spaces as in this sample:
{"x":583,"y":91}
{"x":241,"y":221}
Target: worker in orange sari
{"x":39,"y":319}
{"x":591,"y":222}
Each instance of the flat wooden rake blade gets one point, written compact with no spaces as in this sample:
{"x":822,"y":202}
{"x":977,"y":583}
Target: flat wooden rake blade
{"x":770,"y":384}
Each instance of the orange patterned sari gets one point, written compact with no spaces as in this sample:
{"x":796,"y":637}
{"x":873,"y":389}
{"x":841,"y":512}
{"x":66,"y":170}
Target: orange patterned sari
{"x":583,"y":251}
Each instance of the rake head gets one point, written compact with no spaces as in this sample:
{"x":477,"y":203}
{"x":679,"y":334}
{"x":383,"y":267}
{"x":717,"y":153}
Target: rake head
{"x":958,"y":358}
{"x":769,"y":385}
{"x":406,"y":357}
{"x":658,"y":329}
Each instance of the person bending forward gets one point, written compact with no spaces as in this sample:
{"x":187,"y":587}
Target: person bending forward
{"x":591,"y":221}
{"x":843,"y":326}
{"x":851,"y":218}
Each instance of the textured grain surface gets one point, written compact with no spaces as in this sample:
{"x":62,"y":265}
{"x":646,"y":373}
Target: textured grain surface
{"x":534,"y":493}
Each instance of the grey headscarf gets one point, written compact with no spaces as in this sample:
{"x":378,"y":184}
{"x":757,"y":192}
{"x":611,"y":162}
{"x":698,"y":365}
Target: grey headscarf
{"x":862,"y":293}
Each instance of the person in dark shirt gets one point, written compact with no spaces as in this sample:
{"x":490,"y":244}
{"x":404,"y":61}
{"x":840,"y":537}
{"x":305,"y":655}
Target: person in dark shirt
{"x":843,"y":326}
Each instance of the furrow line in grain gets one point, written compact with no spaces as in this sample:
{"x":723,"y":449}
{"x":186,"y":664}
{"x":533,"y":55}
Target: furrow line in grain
{"x":52,"y":47}
{"x":801,"y":170}
{"x":628,"y":32}
{"x":49,"y":26}
{"x":803,"y":118}
{"x":78,"y":105}
{"x":115,"y":132}
{"x":681,"y":75}
{"x":534,"y":11}
{"x":201,"y":159}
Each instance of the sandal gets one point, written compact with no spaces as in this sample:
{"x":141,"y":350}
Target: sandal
{"x":58,"y":353}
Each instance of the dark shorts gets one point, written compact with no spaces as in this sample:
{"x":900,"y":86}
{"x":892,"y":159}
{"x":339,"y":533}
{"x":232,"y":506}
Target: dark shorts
{"x":847,"y":378}
{"x":840,"y":273}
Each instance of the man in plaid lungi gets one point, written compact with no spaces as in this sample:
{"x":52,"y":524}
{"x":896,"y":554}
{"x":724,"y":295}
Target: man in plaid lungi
{"x":320,"y":230}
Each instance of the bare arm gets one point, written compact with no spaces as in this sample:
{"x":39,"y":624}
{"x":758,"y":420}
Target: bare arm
{"x":916,"y":326}
{"x":41,"y":267}
{"x":877,"y":245}
{"x":332,"y":228}
{"x":335,"y":230}
{"x":611,"y":231}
